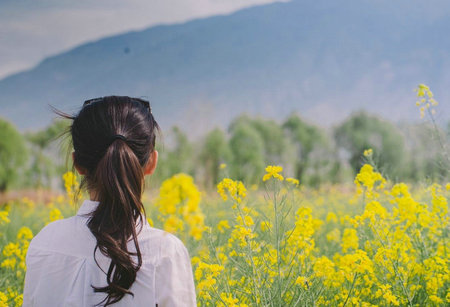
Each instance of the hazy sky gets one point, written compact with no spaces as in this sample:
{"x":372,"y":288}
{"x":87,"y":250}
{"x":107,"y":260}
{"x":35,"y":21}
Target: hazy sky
{"x":31,"y":30}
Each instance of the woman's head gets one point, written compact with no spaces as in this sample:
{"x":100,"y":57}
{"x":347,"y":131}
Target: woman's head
{"x":114,"y":125}
{"x":114,"y":147}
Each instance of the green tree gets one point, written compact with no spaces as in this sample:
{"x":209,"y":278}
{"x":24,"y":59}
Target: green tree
{"x":275,"y":144}
{"x":46,"y":161}
{"x":247,"y":147}
{"x":13,"y":154}
{"x":313,"y":151}
{"x":362,"y":131}
{"x":215,"y":151}
{"x":175,"y":155}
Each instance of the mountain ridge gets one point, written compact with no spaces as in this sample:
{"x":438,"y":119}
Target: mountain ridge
{"x":321,"y":59}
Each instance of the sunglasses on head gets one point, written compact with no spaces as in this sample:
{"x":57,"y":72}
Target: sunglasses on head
{"x":145,"y":103}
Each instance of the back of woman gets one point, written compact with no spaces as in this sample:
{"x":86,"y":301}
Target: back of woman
{"x":108,"y":254}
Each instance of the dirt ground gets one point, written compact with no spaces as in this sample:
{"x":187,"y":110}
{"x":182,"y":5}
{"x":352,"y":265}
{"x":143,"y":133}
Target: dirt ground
{"x":38,"y":196}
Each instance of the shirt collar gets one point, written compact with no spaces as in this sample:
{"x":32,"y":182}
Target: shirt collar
{"x":87,"y":207}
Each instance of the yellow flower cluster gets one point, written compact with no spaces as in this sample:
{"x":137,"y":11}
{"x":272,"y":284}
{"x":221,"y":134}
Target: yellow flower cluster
{"x":15,"y":252}
{"x":350,"y":240}
{"x":368,"y":152}
{"x":55,"y":214}
{"x":207,"y":275}
{"x":10,"y":298}
{"x":293,"y":181}
{"x":368,"y":181}
{"x":13,"y":267}
{"x":4,"y":219}
{"x":426,"y":100}
{"x":235,"y":189}
{"x":273,"y":171}
{"x":179,"y":206}
{"x":71,"y":184}
{"x":391,"y":253}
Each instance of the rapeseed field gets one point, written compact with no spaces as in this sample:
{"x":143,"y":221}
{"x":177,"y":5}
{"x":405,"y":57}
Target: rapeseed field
{"x":375,"y":243}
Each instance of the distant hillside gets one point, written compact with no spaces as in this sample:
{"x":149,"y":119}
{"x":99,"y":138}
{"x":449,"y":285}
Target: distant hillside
{"x":320,"y":58}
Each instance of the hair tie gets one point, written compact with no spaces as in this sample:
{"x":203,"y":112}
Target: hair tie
{"x":117,"y":136}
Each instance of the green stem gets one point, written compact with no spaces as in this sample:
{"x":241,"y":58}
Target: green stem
{"x":351,"y":289}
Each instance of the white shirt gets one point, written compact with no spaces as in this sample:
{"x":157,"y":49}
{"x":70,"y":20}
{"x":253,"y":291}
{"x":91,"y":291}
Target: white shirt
{"x":61,"y":267}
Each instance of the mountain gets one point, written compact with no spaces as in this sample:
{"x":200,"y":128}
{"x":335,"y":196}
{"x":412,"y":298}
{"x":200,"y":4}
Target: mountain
{"x":321,"y":58}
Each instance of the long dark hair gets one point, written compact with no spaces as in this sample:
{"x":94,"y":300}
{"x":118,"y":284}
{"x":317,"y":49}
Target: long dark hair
{"x":113,"y":138}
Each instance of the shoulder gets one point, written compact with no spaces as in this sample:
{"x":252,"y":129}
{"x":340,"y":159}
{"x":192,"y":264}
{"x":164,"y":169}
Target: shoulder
{"x":67,"y":236}
{"x":50,"y":232}
{"x":169,"y":244}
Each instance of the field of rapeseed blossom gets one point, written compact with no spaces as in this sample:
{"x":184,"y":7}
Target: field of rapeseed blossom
{"x":385,"y":245}
{"x":378,"y":244}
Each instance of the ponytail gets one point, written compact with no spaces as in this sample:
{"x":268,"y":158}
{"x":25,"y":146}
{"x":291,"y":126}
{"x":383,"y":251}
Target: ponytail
{"x":119,"y":178}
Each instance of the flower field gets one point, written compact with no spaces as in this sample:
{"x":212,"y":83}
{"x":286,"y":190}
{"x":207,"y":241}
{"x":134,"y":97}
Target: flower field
{"x":280,"y":244}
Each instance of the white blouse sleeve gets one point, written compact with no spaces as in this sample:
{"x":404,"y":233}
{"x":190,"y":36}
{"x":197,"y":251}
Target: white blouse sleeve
{"x":174,"y":281}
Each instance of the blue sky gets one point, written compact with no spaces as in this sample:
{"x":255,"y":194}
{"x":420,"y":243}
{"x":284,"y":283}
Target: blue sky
{"x":31,"y":30}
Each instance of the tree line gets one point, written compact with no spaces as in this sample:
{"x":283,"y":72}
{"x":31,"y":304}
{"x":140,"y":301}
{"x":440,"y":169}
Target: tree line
{"x":312,"y":154}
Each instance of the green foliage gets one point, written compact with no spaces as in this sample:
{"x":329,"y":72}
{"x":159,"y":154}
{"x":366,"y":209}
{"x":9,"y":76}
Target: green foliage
{"x":247,"y":147}
{"x":425,"y":157}
{"x":214,"y":152}
{"x":363,"y":131}
{"x":307,"y":152}
{"x":45,"y":159}
{"x":314,"y":159}
{"x":13,"y":154}
{"x":275,"y":143}
{"x":46,"y":136}
{"x":305,"y":135}
{"x":275,"y":148}
{"x":175,"y":155}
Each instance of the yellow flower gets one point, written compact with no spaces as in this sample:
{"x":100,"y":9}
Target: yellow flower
{"x":4,"y":219}
{"x":246,"y":221}
{"x":9,"y":263}
{"x":222,"y":165}
{"x":70,"y":180}
{"x":370,"y":180}
{"x":71,"y":184}
{"x":273,"y":171}
{"x":196,"y":232}
{"x":236,"y":189}
{"x":323,"y":267}
{"x":334,"y":235}
{"x":11,"y":249}
{"x":387,"y":295}
{"x":179,"y":204}
{"x":349,"y":240}
{"x":303,"y":281}
{"x":422,"y":89}
{"x":18,"y":300}
{"x":265,"y":225}
{"x":173,"y":224}
{"x":222,"y":225}
{"x":426,"y":99}
{"x":293,"y":181}
{"x":368,"y":152}
{"x":3,"y":300}
{"x":25,"y":233}
{"x":55,"y":214}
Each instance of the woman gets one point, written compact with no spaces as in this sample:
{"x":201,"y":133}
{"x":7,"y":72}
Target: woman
{"x":108,"y":254}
